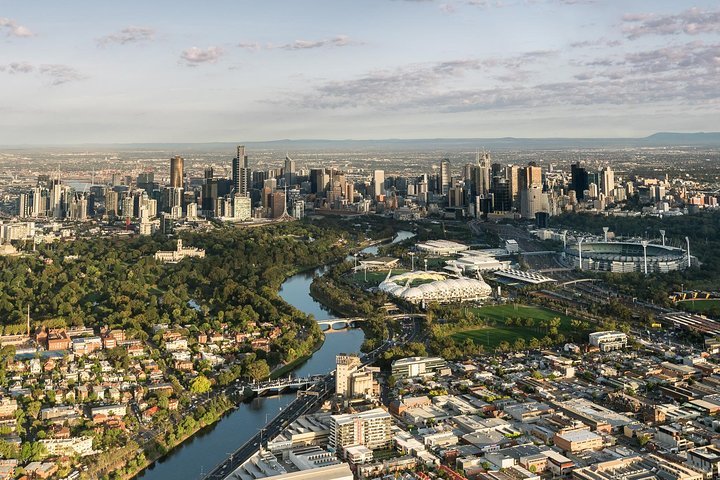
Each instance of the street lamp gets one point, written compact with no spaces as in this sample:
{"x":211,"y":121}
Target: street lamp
{"x":412,"y":261}
{"x":426,"y":263}
{"x":662,"y":234}
{"x":644,"y":244}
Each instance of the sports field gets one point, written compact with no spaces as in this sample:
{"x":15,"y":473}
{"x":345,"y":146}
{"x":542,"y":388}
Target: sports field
{"x":700,"y":306}
{"x":491,"y":336}
{"x":373,"y":278}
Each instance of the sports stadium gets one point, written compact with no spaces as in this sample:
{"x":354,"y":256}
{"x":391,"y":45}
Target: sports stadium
{"x":626,"y":257}
{"x":426,"y":287}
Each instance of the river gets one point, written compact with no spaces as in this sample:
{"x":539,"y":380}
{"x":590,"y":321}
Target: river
{"x":214,"y":444}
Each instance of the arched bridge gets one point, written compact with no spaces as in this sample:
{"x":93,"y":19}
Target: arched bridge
{"x":341,"y":323}
{"x":280,"y":384}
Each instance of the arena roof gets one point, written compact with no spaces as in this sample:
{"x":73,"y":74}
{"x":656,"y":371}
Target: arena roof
{"x":439,"y":287}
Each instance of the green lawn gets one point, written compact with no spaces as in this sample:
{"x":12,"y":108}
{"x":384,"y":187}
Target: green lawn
{"x":491,"y":336}
{"x":373,"y":278}
{"x":700,"y":306}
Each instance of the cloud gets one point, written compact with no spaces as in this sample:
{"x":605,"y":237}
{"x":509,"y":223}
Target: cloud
{"x":679,"y":75}
{"x":59,"y":74}
{"x":12,"y":29}
{"x":691,"y":22}
{"x":128,"y":35}
{"x":600,"y":42}
{"x":447,"y":8}
{"x":195,"y":56}
{"x":55,"y":74}
{"x":250,"y":46}
{"x":336,"y":41}
{"x":17,"y":67}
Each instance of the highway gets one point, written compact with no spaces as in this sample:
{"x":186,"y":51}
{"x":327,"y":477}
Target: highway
{"x":310,"y":400}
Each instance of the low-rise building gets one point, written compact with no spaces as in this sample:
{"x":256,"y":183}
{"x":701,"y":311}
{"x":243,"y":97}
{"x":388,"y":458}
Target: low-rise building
{"x":416,"y":366}
{"x":608,"y":340}
{"x":578,"y":441}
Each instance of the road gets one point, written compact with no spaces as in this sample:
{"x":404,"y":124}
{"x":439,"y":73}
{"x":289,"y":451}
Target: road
{"x":310,"y":400}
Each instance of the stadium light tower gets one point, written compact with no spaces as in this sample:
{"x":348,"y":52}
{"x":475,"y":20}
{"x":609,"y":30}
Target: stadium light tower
{"x":580,"y":240}
{"x":605,"y":231}
{"x":662,"y":234}
{"x":644,"y":244}
{"x":687,"y":240}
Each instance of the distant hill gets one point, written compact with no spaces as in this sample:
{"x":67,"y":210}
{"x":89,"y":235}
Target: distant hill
{"x":661,"y":139}
{"x":671,"y":138}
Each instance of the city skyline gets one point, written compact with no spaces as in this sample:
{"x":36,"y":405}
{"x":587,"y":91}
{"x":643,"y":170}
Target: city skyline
{"x":182,"y":72}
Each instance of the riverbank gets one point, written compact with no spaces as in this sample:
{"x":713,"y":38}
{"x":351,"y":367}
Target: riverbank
{"x":280,"y":372}
{"x":150,"y":460}
{"x":241,"y":421}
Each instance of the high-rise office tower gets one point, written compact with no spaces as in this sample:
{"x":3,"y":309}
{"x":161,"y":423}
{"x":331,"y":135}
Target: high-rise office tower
{"x":529,"y":180}
{"x":278,"y":206}
{"x":317,"y":180}
{"x":579,"y":180}
{"x":512,"y":173}
{"x":502,"y":197}
{"x":39,"y":202}
{"x":607,"y":181}
{"x":378,"y":183}
{"x":210,"y":193}
{"x":289,"y":171}
{"x":483,"y":180}
{"x":23,"y":205}
{"x":177,"y":164}
{"x":241,"y":174}
{"x":444,"y":177}
{"x":533,"y":200}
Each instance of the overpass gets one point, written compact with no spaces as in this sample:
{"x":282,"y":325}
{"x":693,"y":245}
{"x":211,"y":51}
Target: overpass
{"x":281,"y":384}
{"x":581,"y":280}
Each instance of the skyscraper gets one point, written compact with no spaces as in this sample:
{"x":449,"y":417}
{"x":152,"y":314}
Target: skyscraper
{"x":317,"y":180}
{"x":512,"y":173}
{"x":289,"y":172}
{"x":241,"y":174}
{"x":177,"y":164}
{"x":529,"y":185}
{"x":378,"y":183}
{"x":579,"y":180}
{"x":444,"y":177}
{"x":483,"y":180}
{"x":607,"y":181}
{"x":209,"y":193}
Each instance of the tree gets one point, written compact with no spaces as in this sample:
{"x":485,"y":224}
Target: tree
{"x":200,"y":385}
{"x":258,"y":370}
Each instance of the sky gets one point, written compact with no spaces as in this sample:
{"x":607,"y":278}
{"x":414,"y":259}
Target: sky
{"x":101,"y":71}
